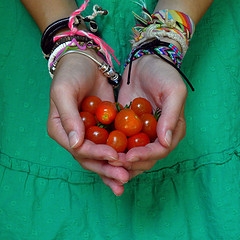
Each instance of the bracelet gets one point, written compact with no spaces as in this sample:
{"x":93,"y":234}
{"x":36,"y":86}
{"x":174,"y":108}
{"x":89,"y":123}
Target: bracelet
{"x":73,"y":30}
{"x":177,"y":20}
{"x":63,"y":46}
{"x":151,"y":46}
{"x":152,"y":32}
{"x":166,"y":49}
{"x":58,"y":51}
{"x":63,"y":40}
{"x":164,"y":23}
{"x":47,"y":42}
{"x":114,"y":78}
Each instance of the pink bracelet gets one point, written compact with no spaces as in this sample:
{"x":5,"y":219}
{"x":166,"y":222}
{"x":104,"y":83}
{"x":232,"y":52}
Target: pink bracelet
{"x":73,"y":31}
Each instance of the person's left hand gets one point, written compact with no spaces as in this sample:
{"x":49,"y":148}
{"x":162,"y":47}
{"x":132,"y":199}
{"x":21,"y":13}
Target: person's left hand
{"x":163,"y":86}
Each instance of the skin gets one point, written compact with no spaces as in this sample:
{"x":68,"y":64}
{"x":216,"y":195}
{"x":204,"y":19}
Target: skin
{"x":77,"y":76}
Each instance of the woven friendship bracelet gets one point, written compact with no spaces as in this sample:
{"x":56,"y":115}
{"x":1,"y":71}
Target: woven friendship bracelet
{"x":164,"y":23}
{"x":151,"y":47}
{"x":175,"y":19}
{"x":169,"y":50}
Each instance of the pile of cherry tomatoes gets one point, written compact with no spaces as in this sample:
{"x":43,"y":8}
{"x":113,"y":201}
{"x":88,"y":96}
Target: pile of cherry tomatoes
{"x":120,"y":127}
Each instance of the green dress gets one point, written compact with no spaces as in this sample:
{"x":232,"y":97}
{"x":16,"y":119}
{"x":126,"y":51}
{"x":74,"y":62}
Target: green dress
{"x":194,"y":193}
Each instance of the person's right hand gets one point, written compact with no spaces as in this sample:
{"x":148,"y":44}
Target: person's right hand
{"x":75,"y":78}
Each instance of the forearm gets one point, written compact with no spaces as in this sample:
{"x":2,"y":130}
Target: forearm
{"x":44,"y":12}
{"x":194,"y":9}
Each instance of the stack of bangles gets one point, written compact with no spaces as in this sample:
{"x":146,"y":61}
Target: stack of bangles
{"x":149,"y":33}
{"x":151,"y":30}
{"x":54,"y":47}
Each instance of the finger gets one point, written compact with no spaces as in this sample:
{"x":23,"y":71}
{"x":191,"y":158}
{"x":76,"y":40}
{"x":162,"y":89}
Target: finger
{"x":55,"y":129}
{"x":155,"y":151}
{"x":117,"y":188}
{"x":65,"y":101}
{"x":102,"y":168}
{"x":172,"y":107}
{"x":90,"y":150}
{"x":152,"y":151}
{"x":121,"y":161}
{"x":66,"y":128}
{"x":179,"y":131}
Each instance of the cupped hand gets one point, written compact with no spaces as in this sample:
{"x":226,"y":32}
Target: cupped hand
{"x":76,"y":77}
{"x":157,"y":81}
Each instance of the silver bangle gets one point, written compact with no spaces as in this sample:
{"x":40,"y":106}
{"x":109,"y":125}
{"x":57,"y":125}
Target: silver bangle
{"x":114,"y":78}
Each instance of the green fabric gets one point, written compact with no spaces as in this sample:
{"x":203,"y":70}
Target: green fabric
{"x":192,"y":194}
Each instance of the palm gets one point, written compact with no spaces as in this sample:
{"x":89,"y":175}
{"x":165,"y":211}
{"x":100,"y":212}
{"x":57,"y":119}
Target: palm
{"x":162,"y":85}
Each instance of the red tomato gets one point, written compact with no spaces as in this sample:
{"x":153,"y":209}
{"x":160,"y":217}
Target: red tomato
{"x":138,"y":140}
{"x":149,"y":125}
{"x":97,"y":134}
{"x":117,"y":140}
{"x":88,"y":119}
{"x":89,"y":104}
{"x":128,"y":122}
{"x":141,"y":105}
{"x":106,"y":112}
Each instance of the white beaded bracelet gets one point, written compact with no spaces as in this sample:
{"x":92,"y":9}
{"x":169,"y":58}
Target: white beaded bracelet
{"x":57,"y":51}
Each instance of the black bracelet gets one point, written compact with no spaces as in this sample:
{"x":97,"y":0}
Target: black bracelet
{"x":47,"y":36}
{"x":151,"y":46}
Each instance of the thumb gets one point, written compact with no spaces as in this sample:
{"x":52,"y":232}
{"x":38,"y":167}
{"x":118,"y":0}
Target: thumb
{"x":172,"y":109}
{"x":66,"y":107}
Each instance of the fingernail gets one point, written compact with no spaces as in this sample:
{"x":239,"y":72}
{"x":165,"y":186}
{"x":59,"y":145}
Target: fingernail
{"x":123,"y":182}
{"x":111,"y":158}
{"x":73,"y":139}
{"x":168,"y":137}
{"x":134,"y":159}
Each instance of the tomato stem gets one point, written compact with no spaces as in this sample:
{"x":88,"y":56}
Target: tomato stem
{"x":157,"y":113}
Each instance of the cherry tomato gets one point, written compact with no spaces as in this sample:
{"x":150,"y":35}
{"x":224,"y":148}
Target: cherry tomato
{"x":88,"y":119}
{"x":149,"y":125}
{"x":97,"y":134}
{"x":141,"y":105}
{"x":138,"y":140}
{"x":128,"y":122}
{"x":106,"y":112}
{"x":89,"y":104}
{"x":117,"y":140}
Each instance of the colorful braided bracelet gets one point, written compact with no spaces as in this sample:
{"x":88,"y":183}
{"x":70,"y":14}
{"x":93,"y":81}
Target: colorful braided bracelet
{"x":167,"y":49}
{"x":152,"y":47}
